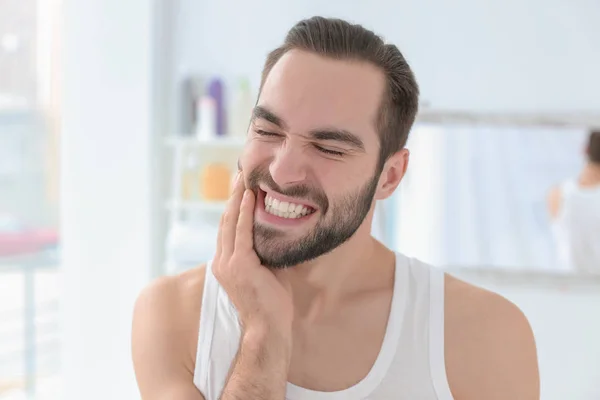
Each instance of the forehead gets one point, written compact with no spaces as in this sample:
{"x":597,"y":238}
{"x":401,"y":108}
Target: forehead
{"x":308,"y":91}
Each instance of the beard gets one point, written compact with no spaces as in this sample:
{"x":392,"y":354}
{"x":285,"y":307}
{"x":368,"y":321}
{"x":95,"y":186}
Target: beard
{"x":338,"y":222}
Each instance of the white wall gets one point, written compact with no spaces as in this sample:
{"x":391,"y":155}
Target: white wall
{"x":107,"y":188}
{"x":512,"y":55}
{"x":566,"y":324}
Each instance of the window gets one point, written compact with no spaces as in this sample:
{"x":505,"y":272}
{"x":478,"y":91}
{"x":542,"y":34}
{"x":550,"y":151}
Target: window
{"x":29,"y":239}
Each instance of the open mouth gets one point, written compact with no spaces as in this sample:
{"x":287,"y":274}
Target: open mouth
{"x":286,"y":209}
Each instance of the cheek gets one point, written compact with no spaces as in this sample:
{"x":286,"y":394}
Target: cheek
{"x":335,"y":187}
{"x":253,"y":155}
{"x":340,"y":184}
{"x":341,"y":175}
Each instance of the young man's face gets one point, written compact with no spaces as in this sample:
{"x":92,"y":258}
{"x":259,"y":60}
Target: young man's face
{"x":312,"y":155}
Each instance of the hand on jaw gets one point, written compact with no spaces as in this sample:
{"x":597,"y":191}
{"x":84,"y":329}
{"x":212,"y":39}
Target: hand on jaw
{"x":263,"y":303}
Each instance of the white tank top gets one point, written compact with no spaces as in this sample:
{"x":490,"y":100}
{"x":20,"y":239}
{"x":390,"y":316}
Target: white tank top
{"x":410,"y":364}
{"x":577,"y":228}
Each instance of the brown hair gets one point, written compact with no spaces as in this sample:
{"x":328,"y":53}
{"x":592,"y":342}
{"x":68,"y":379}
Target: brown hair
{"x":340,"y":40}
{"x":593,"y":149}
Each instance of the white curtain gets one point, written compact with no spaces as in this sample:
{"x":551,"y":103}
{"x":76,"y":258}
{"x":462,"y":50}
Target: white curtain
{"x":475,"y":195}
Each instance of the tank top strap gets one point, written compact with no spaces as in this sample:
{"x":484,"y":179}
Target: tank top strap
{"x":437,"y":359}
{"x":208,"y":315}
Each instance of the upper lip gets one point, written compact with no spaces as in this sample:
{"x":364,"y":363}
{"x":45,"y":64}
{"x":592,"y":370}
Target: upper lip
{"x":281,"y":197}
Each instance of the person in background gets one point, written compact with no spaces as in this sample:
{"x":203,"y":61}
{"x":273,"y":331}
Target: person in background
{"x":300,"y":302}
{"x":574,"y":207}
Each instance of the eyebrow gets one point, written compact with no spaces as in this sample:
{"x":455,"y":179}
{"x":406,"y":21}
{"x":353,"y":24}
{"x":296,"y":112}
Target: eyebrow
{"x":261,"y":112}
{"x":337,"y":135}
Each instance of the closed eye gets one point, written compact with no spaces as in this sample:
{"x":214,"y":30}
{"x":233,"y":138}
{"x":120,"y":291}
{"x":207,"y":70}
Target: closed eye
{"x":260,"y":132}
{"x":328,"y":151}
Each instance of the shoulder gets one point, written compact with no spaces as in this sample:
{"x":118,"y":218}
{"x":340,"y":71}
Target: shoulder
{"x":172,"y":303}
{"x":172,"y":297}
{"x":166,"y":319}
{"x":490,"y":348}
{"x":554,"y":200}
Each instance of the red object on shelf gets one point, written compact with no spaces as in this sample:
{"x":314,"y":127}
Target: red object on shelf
{"x":16,"y":238}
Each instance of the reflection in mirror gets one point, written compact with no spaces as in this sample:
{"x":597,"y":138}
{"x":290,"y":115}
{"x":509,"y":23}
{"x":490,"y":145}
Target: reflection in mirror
{"x":476,"y":194}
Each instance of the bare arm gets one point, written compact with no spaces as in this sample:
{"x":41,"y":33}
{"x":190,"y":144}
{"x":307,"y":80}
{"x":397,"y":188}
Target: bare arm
{"x":260,"y":368}
{"x":553,"y":202}
{"x":490,"y":350}
{"x":164,"y":343}
{"x":165,"y":328}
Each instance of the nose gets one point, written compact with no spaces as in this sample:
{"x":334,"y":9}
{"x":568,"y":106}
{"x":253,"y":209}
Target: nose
{"x":288,"y":166}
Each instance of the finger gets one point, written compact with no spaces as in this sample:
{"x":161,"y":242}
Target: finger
{"x":244,"y":239}
{"x":219,"y":238}
{"x":230,"y":218}
{"x":235,"y":180}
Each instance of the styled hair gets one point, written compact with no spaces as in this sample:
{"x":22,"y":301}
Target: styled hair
{"x":593,"y":149}
{"x":340,"y":40}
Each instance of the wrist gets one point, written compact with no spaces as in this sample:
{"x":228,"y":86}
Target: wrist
{"x":259,"y":338}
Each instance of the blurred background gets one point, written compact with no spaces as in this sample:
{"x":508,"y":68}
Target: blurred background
{"x":120,"y":126}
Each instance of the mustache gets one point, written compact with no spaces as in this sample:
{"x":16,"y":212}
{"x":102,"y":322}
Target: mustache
{"x":259,"y":175}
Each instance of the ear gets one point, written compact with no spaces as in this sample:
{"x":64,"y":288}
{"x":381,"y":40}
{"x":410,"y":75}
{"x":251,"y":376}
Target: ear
{"x":393,"y":172}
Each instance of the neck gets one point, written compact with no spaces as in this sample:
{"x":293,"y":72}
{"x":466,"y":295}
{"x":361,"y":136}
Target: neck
{"x":318,"y":286}
{"x":590,"y":174}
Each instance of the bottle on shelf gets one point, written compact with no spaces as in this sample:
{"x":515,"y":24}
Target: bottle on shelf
{"x":216,"y":91}
{"x":242,"y":106}
{"x":216,"y":182}
{"x":206,"y":122}
{"x":187,"y":115}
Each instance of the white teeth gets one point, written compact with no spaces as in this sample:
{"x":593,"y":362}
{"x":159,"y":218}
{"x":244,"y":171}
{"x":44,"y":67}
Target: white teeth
{"x":285,"y":209}
{"x":283,"y":206}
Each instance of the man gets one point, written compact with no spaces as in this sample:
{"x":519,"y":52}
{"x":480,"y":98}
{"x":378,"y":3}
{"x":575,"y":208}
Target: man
{"x":300,"y":302}
{"x":574,"y":208}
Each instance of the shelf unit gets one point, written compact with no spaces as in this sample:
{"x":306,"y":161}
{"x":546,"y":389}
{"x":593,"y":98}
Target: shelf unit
{"x":180,"y":210}
{"x":183,"y":145}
